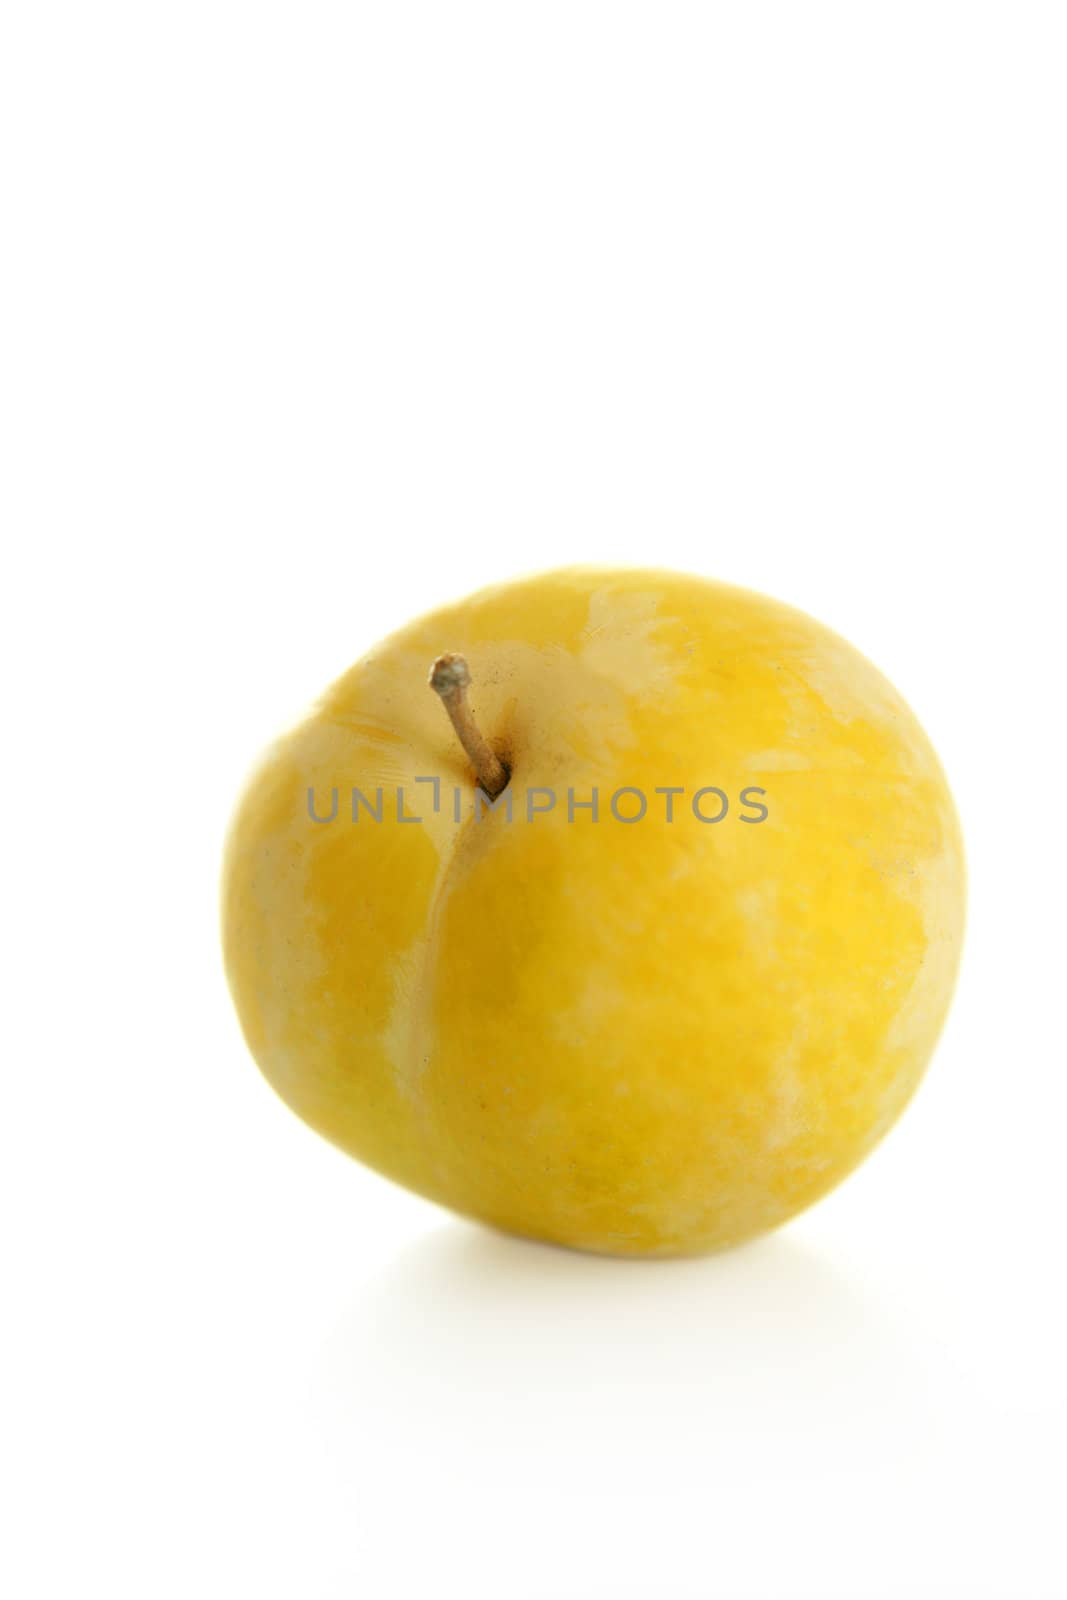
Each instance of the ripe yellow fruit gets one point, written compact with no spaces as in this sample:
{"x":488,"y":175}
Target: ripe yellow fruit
{"x":643,"y":1037}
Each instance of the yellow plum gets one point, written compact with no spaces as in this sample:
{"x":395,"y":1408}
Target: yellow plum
{"x":673,"y":983}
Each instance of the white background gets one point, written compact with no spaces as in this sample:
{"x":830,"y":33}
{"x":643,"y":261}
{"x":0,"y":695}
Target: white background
{"x":315,"y":315}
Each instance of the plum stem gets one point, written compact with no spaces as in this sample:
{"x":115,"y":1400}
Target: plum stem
{"x":450,"y":679}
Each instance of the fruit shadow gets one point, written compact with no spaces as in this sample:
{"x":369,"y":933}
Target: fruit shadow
{"x":479,"y":1357}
